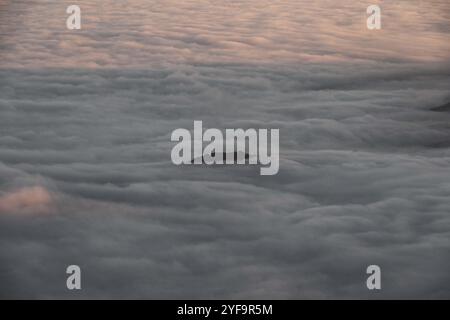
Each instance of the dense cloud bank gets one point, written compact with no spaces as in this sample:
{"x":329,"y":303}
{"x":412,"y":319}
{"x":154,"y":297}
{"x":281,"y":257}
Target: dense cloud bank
{"x":86,"y":176}
{"x":363,"y":180}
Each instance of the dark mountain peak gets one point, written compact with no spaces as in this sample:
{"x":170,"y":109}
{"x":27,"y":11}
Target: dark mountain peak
{"x":443,"y":108}
{"x":237,"y":155}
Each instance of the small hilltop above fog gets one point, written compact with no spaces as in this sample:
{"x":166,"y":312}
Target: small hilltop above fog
{"x":443,"y":108}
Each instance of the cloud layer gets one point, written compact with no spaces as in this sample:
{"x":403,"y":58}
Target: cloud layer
{"x":85,"y":135}
{"x":137,"y":33}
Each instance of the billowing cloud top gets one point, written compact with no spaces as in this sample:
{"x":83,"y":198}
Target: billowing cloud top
{"x":158,"y":32}
{"x":85,"y":123}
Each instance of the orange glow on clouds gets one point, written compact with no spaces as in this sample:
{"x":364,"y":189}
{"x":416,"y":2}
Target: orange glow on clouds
{"x":138,"y":33}
{"x":29,"y":200}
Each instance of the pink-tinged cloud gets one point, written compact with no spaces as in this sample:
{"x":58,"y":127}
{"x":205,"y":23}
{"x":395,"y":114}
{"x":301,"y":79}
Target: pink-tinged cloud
{"x":160,"y":32}
{"x":29,"y":200}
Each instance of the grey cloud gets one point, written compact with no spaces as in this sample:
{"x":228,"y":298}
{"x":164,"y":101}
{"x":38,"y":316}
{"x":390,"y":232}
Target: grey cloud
{"x":359,"y":183}
{"x":364,"y":161}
